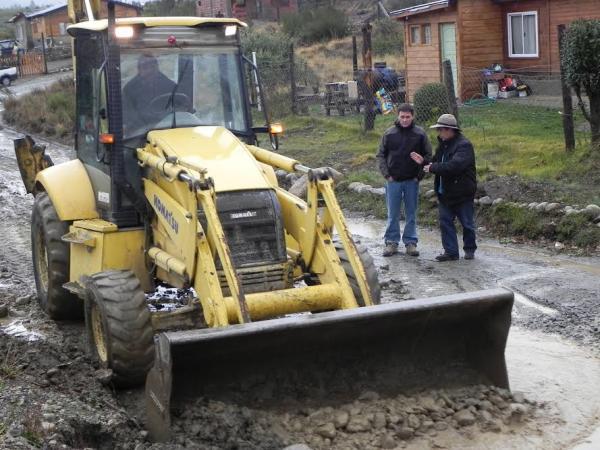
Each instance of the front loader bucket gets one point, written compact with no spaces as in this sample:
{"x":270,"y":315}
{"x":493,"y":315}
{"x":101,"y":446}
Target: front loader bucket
{"x":435,"y":342}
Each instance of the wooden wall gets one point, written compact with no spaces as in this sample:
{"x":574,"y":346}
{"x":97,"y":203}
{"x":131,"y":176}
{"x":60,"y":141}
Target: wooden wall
{"x":480,"y":42}
{"x":423,"y":61}
{"x":551,"y":13}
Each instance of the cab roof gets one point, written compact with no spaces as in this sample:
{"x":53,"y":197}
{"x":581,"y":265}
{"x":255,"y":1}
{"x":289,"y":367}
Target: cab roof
{"x":102,"y":24}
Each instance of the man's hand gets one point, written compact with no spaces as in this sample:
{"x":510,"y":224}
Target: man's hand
{"x":389,"y":178}
{"x":417,"y":158}
{"x":426,"y":168}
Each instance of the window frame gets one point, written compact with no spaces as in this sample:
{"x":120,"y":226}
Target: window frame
{"x":521,"y":14}
{"x":418,"y":35}
{"x":423,"y":34}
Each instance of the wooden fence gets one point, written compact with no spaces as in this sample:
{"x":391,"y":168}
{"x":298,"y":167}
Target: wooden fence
{"x":31,"y":63}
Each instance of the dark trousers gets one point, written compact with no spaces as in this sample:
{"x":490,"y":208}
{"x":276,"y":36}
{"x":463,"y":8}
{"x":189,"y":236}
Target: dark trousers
{"x":464,"y":212}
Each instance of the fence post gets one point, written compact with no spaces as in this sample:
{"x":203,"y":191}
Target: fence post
{"x":44,"y":53}
{"x":449,"y":82}
{"x":354,"y":56}
{"x":368,"y":65}
{"x":567,"y":114}
{"x":293,"y":79}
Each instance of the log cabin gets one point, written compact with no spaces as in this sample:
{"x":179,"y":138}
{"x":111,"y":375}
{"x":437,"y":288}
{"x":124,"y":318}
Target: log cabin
{"x":520,"y":35}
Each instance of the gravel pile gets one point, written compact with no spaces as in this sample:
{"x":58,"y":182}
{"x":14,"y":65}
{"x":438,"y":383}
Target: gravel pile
{"x":369,"y":422}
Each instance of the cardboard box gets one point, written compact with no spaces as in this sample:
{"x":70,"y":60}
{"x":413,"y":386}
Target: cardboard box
{"x":507,"y":94}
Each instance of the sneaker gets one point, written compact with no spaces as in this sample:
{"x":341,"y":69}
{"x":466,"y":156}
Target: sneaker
{"x":469,"y":255}
{"x":411,"y":250}
{"x":446,"y":257}
{"x":390,"y":249}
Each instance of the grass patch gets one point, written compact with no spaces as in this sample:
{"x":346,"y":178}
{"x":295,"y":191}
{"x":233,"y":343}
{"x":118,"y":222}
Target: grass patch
{"x":332,"y":60}
{"x":49,"y":112}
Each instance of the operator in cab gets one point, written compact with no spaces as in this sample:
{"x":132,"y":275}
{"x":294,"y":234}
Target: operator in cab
{"x":146,"y":97}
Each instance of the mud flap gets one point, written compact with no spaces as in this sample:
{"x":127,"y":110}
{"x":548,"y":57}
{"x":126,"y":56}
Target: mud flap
{"x":31,"y":160}
{"x":445,"y":341}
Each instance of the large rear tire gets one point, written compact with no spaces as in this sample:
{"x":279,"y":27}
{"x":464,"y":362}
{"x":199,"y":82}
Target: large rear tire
{"x":51,"y":259}
{"x":370,"y":270}
{"x":119,"y":326}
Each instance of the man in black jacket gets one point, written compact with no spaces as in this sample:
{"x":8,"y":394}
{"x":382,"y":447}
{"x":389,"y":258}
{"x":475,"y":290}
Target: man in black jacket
{"x":402,"y":174}
{"x":455,"y":186}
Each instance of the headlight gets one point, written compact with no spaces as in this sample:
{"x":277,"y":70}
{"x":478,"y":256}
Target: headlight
{"x":124,"y":32}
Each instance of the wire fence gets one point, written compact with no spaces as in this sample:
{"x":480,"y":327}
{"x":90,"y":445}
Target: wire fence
{"x":477,"y":96}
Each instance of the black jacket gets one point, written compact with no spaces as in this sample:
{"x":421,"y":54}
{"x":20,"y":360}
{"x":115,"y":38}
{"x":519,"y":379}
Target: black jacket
{"x":396,"y":145}
{"x":454,"y":166}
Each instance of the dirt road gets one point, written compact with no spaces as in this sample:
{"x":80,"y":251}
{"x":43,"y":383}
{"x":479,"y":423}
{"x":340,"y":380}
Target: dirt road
{"x":51,"y":394}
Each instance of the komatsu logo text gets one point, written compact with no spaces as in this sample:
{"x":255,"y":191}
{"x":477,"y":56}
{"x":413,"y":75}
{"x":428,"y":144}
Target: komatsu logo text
{"x":168,"y":215}
{"x":241,"y":215}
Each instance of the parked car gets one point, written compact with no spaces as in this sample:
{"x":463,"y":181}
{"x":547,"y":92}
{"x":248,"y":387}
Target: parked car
{"x":7,"y":76}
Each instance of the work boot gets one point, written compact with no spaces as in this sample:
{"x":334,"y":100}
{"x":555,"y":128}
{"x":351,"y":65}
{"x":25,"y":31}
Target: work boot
{"x":469,"y":255}
{"x":390,"y":249}
{"x":446,"y":257}
{"x":411,"y":250}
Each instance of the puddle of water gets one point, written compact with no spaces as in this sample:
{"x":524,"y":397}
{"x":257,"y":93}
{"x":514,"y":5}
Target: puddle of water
{"x":17,"y":329}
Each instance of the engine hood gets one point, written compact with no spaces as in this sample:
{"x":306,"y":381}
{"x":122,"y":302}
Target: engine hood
{"x":225,"y":157}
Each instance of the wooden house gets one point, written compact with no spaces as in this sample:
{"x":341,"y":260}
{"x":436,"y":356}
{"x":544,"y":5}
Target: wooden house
{"x":520,"y":35}
{"x":52,"y":22}
{"x":246,"y":10}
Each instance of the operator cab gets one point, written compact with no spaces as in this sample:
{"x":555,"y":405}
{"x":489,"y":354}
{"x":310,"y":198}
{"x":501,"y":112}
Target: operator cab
{"x":170,"y":73}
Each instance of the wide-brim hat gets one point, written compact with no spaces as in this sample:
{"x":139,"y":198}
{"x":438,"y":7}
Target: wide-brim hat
{"x":446,"y":121}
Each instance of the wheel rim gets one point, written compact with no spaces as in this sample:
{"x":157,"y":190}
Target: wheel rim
{"x":42,"y":261}
{"x":98,"y":333}
{"x":5,"y":82}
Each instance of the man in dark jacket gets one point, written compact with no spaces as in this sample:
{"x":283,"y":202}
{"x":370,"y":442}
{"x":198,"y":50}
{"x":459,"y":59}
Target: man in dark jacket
{"x":402,"y":174}
{"x":455,"y":186}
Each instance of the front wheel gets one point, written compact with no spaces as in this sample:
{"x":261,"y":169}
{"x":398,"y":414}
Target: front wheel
{"x":51,"y":261}
{"x":5,"y":81}
{"x":119,"y":326}
{"x":369,"y":265}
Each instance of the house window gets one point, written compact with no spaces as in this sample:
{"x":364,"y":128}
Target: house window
{"x":415,"y":35}
{"x":62,"y":28}
{"x":34,"y":27}
{"x":426,"y":34}
{"x":523,"y":34}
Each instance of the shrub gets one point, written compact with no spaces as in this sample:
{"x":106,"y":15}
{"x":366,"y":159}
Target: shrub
{"x":272,"y":49}
{"x":315,"y":25}
{"x":48,"y":111}
{"x":431,"y":100}
{"x":579,"y":55}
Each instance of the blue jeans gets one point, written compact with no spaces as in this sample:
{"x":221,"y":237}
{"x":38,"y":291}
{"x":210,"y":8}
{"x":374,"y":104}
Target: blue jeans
{"x":464,"y":212}
{"x":396,"y":193}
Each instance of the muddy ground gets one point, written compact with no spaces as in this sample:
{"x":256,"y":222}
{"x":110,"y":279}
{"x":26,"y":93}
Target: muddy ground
{"x":53,"y":396}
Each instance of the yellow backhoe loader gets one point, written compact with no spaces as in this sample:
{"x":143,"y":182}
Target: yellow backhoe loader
{"x":170,"y":188}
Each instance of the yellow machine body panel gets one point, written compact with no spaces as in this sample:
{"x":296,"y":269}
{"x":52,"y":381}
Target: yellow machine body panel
{"x":102,"y":24}
{"x":68,"y":186}
{"x":97,"y":246}
{"x":226,"y":159}
{"x":175,"y":230}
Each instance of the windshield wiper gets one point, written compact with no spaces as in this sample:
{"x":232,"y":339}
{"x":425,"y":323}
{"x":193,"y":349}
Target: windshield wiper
{"x":172,"y":99}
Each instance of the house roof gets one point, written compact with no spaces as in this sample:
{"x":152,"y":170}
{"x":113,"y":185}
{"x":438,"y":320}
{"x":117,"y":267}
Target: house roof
{"x":420,"y":9}
{"x":51,"y":9}
{"x":43,"y":12}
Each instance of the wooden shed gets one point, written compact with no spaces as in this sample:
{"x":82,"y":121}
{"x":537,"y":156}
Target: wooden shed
{"x":475,"y":34}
